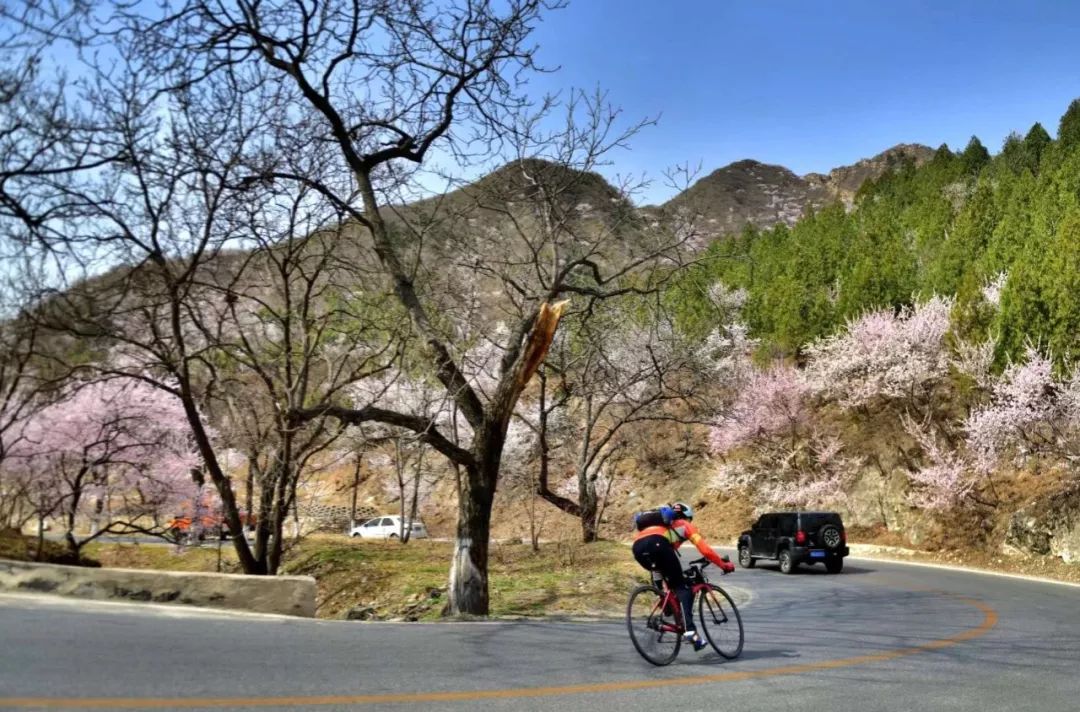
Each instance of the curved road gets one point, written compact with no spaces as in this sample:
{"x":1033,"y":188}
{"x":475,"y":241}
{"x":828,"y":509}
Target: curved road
{"x":880,"y":636}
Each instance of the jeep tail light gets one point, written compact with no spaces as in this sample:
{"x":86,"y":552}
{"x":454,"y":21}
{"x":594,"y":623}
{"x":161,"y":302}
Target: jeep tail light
{"x":843,"y":537}
{"x":800,"y":537}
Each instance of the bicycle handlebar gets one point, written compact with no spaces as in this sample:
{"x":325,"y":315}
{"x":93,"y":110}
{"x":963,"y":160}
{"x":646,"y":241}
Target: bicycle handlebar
{"x":703,"y":563}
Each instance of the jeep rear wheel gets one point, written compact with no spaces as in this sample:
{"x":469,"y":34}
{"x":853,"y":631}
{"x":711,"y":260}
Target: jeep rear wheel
{"x":834,"y":566}
{"x":830,"y":536}
{"x":787,"y":563}
{"x":745,"y":560}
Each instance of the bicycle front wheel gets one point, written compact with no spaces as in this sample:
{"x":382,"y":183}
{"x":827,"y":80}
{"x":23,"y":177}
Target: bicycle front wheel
{"x":655,"y":635}
{"x":721,"y":621}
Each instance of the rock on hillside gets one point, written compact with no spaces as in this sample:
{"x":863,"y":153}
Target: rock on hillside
{"x":844,"y":182}
{"x":1049,"y":525}
{"x":763,"y":195}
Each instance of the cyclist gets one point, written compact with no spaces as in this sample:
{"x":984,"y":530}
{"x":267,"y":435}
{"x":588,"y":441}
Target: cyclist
{"x":656,"y":549}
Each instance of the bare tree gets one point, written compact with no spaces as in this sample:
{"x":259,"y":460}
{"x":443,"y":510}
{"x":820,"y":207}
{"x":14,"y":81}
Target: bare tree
{"x":435,"y":78}
{"x":412,"y":483}
{"x":520,"y":468}
{"x":40,"y":139}
{"x":264,"y":95}
{"x":44,"y":140}
{"x":616,"y":371}
{"x":293,"y":326}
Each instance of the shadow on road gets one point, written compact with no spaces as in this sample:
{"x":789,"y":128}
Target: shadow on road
{"x":711,"y":659}
{"x":814,"y":570}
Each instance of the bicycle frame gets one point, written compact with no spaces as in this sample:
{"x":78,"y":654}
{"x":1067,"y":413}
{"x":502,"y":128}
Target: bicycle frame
{"x":670,"y":599}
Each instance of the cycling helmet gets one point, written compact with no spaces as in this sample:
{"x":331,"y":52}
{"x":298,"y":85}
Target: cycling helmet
{"x":683,"y":511}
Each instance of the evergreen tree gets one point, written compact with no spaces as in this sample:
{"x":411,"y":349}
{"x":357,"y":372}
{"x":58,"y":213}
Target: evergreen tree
{"x":966,"y":242}
{"x":1035,"y":143}
{"x":975,"y":156}
{"x":948,"y":227}
{"x":1014,"y":153}
{"x":1069,"y":128}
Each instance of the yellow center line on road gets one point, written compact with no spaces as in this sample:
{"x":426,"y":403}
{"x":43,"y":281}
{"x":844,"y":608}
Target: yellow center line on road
{"x":990,"y":619}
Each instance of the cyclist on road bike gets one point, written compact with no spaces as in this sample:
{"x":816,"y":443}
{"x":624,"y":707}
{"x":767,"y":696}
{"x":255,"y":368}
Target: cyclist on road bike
{"x":656,"y":549}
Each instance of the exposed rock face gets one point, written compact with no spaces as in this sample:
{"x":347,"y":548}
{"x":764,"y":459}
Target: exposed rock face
{"x":1049,"y":526}
{"x":844,"y":182}
{"x":882,"y":499}
{"x":763,"y":195}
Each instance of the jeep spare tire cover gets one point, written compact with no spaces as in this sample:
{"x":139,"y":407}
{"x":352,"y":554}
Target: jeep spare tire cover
{"x":829,"y":535}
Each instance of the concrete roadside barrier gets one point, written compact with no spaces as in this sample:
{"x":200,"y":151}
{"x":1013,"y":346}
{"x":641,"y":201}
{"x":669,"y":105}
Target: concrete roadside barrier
{"x":287,"y":595}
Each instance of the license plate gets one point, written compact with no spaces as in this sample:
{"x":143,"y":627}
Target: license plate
{"x":817,"y":554}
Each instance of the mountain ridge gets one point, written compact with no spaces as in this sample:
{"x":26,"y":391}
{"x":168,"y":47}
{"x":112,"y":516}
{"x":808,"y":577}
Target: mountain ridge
{"x":748,"y":191}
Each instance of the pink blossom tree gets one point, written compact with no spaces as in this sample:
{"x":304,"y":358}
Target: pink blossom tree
{"x":789,"y":461}
{"x":117,"y":452}
{"x":883,"y":354}
{"x":21,"y":385}
{"x":1032,"y":413}
{"x":946,"y":476}
{"x":771,"y":404}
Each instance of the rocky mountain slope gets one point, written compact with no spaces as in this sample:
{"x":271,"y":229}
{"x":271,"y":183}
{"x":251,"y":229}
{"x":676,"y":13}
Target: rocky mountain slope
{"x":763,"y":195}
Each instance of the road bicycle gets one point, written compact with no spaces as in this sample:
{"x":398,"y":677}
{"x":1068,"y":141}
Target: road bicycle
{"x":654,"y":617}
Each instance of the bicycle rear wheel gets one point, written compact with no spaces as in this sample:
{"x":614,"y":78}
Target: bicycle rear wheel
{"x":655,"y":636}
{"x":721,"y":621}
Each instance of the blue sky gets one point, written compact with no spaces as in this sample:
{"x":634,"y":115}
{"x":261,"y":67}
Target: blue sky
{"x":813,"y":85}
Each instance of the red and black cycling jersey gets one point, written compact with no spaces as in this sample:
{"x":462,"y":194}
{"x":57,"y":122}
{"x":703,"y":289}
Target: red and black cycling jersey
{"x":679,"y":531}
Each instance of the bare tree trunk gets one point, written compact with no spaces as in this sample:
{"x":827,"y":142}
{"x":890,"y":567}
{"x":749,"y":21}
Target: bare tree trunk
{"x":76,"y":498}
{"x":603,"y":503}
{"x":468,"y":589}
{"x":414,"y":506}
{"x":399,"y":470}
{"x":536,"y":525}
{"x":468,"y":585}
{"x":355,"y":487}
{"x":587,"y":481}
{"x":280,"y":511}
{"x":249,"y":563}
{"x":542,"y":487}
{"x":40,"y":538}
{"x":532,"y":523}
{"x":588,"y":507}
{"x":249,"y":493}
{"x":264,"y":525}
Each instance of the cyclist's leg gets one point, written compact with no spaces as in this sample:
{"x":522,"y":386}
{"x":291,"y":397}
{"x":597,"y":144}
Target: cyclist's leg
{"x":646,"y":551}
{"x":670,"y":566}
{"x":643,"y":549}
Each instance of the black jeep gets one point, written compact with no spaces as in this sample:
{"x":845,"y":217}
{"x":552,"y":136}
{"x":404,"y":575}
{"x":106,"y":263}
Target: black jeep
{"x":794,"y":538}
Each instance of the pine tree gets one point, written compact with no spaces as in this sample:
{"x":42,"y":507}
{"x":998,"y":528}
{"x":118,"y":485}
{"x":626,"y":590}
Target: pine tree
{"x":966,"y":243}
{"x":1035,"y":143}
{"x":1069,"y":128}
{"x":975,"y":156}
{"x":1014,"y":153}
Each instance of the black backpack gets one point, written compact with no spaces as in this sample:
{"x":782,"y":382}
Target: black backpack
{"x":662,"y":516}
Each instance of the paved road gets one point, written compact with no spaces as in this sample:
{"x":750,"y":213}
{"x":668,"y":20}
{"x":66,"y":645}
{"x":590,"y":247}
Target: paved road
{"x":878,"y":637}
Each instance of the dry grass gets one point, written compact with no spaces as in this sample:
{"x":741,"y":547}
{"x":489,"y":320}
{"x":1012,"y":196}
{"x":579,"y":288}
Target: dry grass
{"x":164,"y":558}
{"x":408,"y":581}
{"x":18,"y":547}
